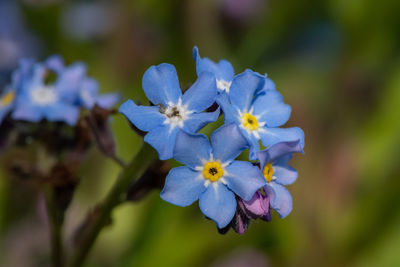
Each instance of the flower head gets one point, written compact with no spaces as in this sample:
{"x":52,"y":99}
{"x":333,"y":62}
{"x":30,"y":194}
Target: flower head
{"x":211,"y":174}
{"x":222,"y":70}
{"x":54,"y":92}
{"x":274,"y":163}
{"x":258,"y":115}
{"x":172,"y":111}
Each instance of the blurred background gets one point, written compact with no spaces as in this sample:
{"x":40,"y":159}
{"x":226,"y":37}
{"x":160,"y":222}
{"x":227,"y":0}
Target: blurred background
{"x":336,"y":62}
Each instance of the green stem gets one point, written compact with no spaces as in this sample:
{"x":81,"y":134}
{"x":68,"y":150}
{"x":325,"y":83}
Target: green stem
{"x":133,"y":171}
{"x":55,"y":217}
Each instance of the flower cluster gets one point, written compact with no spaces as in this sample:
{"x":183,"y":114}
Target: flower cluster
{"x":51,"y":91}
{"x":230,"y":191}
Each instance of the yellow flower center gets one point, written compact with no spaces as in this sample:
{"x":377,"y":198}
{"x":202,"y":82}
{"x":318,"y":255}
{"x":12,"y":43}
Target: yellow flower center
{"x":250,"y":122}
{"x":212,"y":171}
{"x":268,"y":172}
{"x":7,"y":98}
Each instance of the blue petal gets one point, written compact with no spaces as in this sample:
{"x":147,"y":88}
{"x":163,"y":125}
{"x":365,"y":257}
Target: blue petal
{"x":268,"y":85}
{"x":192,"y":150}
{"x":163,"y":139}
{"x":280,"y":198}
{"x":196,"y":121}
{"x":231,"y":114}
{"x":271,"y":109}
{"x":277,"y":151}
{"x":244,"y":179}
{"x":253,"y":142}
{"x":222,"y":70}
{"x":25,"y":111}
{"x":227,"y":143}
{"x":183,"y":186}
{"x":161,"y":84}
{"x":285,"y":175}
{"x":243,"y":90}
{"x":55,"y":63}
{"x":108,"y":100}
{"x":271,"y":136}
{"x":62,"y":112}
{"x":218,"y":203}
{"x":201,"y":94}
{"x":143,"y":117}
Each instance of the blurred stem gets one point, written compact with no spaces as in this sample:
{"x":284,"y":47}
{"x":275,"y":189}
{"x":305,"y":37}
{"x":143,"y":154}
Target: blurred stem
{"x":56,"y":217}
{"x":116,"y":195}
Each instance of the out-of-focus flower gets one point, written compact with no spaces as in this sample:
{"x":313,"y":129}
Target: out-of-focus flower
{"x":173,"y":111}
{"x":211,"y":174}
{"x":55,"y":92}
{"x":275,"y":167}
{"x":258,"y":116}
{"x":222,"y":70}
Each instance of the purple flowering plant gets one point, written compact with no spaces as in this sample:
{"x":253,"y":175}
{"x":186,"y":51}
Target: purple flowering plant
{"x":58,"y":108}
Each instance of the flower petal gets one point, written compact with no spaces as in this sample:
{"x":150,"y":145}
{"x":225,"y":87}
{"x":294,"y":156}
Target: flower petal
{"x":161,"y":84}
{"x":253,"y":143}
{"x":227,"y":143}
{"x":218,"y":203}
{"x":62,"y":112}
{"x":280,"y":199}
{"x":197,"y":121}
{"x":23,"y":110}
{"x":222,"y":70}
{"x":243,"y":88}
{"x":108,"y":100}
{"x":271,"y":136}
{"x":271,"y":109}
{"x":285,"y":175}
{"x":163,"y":139}
{"x":55,"y":63}
{"x":257,"y":206}
{"x":244,"y":179}
{"x":192,"y":150}
{"x":183,"y":186}
{"x":143,"y":117}
{"x":275,"y":152}
{"x":231,"y":114}
{"x":201,"y":94}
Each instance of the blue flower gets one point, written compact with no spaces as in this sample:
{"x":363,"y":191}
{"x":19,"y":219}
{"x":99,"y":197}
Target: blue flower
{"x":173,"y":111}
{"x":39,"y":99}
{"x":267,"y":84}
{"x":274,"y":163}
{"x":211,"y":174}
{"x":258,"y":115}
{"x":222,"y":70}
{"x":6,"y":102}
{"x":55,"y":92}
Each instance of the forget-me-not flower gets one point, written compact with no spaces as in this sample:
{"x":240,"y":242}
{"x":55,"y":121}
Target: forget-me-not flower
{"x":258,"y":115}
{"x":43,"y":94}
{"x":222,"y":70}
{"x":274,"y":163}
{"x":211,"y":174}
{"x":173,"y":111}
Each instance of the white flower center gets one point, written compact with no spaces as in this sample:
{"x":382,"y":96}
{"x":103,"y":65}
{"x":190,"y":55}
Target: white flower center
{"x":175,"y":115}
{"x":44,"y":96}
{"x":223,"y":85}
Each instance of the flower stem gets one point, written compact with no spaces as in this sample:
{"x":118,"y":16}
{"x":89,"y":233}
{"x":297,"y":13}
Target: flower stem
{"x":56,"y":218}
{"x":115,"y":196}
